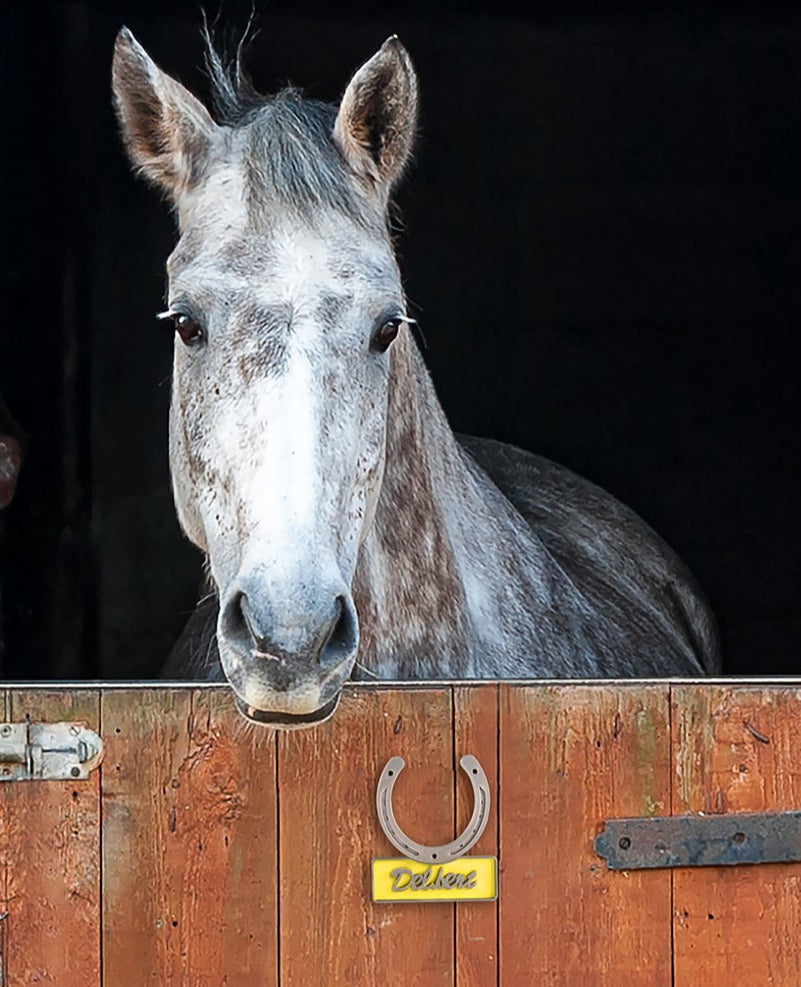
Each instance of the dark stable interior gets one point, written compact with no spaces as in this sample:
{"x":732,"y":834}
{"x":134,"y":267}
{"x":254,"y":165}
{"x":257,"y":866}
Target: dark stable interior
{"x":601,"y":244}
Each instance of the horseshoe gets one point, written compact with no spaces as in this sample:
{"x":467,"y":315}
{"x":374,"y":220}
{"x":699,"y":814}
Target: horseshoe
{"x":448,"y":851}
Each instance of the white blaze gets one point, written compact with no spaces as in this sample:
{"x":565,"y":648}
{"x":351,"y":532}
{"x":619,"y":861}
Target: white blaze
{"x":279,"y":492}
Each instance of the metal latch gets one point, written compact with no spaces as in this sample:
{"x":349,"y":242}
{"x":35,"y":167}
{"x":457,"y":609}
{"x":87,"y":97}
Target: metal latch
{"x":48,"y":751}
{"x":701,"y":840}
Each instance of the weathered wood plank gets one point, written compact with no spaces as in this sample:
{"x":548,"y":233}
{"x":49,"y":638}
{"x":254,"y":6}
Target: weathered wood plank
{"x":5,"y":849}
{"x":331,"y":932}
{"x":571,"y":756}
{"x":189,"y":841}
{"x":146,"y":733}
{"x":50,"y":848}
{"x":737,"y":749}
{"x":476,"y":732}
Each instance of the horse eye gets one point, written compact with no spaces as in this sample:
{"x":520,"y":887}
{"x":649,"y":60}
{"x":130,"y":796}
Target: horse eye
{"x":385,"y":334}
{"x":186,"y":327}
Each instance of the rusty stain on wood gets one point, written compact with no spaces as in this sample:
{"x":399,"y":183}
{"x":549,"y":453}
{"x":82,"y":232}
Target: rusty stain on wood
{"x":571,"y":756}
{"x":737,"y":924}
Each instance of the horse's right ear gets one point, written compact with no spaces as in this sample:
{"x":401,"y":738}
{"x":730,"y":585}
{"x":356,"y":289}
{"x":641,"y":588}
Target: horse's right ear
{"x":167,"y":131}
{"x":377,"y":117}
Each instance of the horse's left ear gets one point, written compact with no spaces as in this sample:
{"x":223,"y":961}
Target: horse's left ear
{"x":378,"y":115}
{"x":167,"y":131}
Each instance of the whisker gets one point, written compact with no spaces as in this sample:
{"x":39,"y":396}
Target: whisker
{"x":418,"y":333}
{"x":212,"y":641}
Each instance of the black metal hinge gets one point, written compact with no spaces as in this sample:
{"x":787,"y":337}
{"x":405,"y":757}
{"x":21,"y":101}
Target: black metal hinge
{"x":700,"y":840}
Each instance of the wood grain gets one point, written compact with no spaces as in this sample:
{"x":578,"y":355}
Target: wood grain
{"x":196,"y":843}
{"x":737,"y":749}
{"x":331,"y":932}
{"x":51,"y":858}
{"x":5,"y":853}
{"x":189,"y":841}
{"x":571,"y":756}
{"x":476,"y":732}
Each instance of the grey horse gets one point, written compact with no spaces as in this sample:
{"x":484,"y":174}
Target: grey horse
{"x":348,"y":532}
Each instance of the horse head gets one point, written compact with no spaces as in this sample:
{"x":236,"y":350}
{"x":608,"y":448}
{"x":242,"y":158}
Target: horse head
{"x":286,"y":299}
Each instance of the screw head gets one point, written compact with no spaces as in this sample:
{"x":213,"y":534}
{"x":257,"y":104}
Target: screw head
{"x":624,"y":843}
{"x":75,"y":772}
{"x":5,"y":730}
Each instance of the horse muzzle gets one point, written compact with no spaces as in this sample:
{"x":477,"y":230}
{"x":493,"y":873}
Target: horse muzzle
{"x":287,"y":666}
{"x":313,"y":699}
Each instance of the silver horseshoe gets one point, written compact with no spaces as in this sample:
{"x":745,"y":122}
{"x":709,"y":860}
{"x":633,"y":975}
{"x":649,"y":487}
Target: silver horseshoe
{"x":448,"y":851}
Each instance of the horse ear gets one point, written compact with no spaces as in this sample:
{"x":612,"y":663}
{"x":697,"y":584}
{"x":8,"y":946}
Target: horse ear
{"x":166,"y":130}
{"x":378,"y":115}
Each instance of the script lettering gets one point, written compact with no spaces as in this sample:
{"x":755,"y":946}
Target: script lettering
{"x":397,"y":874}
{"x":404,"y":879}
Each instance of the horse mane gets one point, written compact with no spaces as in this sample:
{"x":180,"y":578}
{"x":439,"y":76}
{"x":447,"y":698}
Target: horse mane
{"x":290,"y":153}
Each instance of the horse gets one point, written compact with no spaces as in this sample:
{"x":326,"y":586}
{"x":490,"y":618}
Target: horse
{"x":10,"y":462}
{"x":348,"y":532}
{"x":10,"y":457}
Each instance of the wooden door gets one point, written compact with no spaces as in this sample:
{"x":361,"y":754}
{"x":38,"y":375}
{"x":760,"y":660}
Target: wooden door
{"x":205,"y":851}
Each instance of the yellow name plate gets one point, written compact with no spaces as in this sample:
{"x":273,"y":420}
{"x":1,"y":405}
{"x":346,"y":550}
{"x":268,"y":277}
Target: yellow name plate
{"x":464,"y":879}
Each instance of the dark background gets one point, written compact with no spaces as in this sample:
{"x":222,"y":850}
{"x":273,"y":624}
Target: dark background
{"x":601,"y":241}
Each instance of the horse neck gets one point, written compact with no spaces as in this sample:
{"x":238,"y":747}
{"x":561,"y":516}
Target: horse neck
{"x":410,"y":584}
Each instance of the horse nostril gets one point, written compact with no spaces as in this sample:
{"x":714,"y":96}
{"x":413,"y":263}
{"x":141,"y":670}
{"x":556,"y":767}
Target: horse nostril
{"x":344,"y":634}
{"x":249,"y":624}
{"x":326,"y":635}
{"x":237,"y":624}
